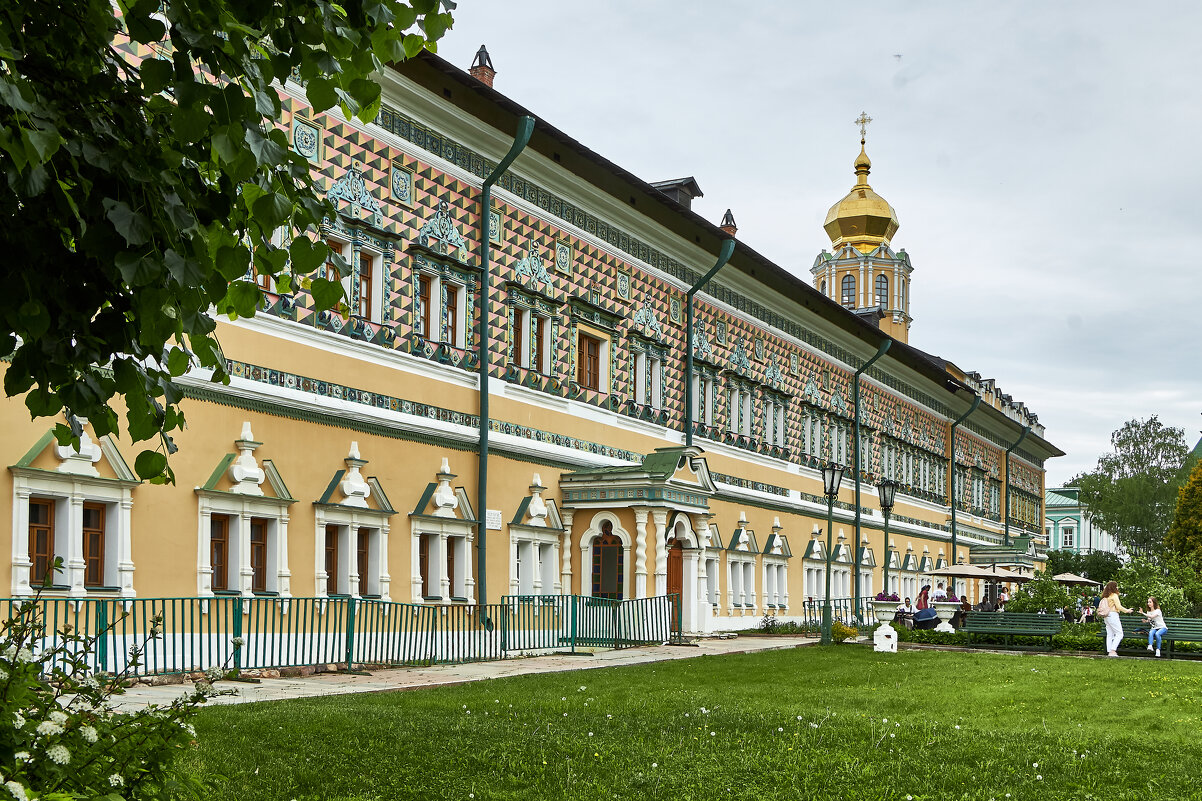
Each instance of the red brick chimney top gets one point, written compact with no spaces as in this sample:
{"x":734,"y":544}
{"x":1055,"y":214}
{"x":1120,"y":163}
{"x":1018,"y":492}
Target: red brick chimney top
{"x":482,"y":69}
{"x":728,"y":224}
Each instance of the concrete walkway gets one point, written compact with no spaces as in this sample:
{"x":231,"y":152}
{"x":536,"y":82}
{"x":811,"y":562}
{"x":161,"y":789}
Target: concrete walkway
{"x":442,"y":675}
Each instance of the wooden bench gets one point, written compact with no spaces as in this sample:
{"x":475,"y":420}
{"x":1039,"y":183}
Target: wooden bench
{"x":1012,"y":624}
{"x":1135,"y":627}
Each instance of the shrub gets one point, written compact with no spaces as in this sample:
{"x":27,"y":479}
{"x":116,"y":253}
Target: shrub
{"x":841,"y":631}
{"x":61,"y":739}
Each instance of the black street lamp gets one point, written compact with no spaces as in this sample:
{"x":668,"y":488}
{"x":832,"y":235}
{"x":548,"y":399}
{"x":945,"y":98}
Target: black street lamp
{"x":886,"y":489}
{"x":832,"y":477}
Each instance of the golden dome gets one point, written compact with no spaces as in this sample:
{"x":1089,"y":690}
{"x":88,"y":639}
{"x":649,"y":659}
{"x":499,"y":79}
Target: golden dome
{"x":862,"y":218}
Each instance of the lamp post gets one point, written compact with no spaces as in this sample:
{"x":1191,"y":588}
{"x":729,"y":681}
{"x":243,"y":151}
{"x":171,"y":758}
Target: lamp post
{"x":832,"y":477}
{"x":886,"y":490}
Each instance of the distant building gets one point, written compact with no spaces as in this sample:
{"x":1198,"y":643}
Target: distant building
{"x":1069,"y":527}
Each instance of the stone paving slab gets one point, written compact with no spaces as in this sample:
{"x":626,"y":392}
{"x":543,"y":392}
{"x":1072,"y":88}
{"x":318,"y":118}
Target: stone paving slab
{"x":396,"y":679}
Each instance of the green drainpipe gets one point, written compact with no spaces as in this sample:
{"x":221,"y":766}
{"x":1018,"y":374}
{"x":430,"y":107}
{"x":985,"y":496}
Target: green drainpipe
{"x":525,"y":128}
{"x":728,"y":247}
{"x":976,"y":401}
{"x":855,"y":396}
{"x":1006,"y":485}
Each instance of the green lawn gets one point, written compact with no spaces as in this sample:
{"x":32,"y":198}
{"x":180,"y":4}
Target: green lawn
{"x":839,"y":722}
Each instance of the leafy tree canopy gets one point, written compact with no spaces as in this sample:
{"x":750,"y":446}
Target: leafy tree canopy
{"x":1132,"y":491}
{"x":1185,"y":534}
{"x":142,"y":191}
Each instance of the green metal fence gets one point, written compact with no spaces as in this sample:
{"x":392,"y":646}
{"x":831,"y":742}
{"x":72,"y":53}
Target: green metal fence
{"x":842,"y":611}
{"x":539,"y":622}
{"x":196,"y":633}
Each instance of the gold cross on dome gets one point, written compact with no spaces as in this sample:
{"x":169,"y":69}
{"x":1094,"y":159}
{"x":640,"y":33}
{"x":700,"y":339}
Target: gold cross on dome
{"x":863,"y":121}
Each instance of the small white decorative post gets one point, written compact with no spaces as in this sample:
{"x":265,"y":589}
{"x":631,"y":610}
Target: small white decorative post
{"x":245,"y":471}
{"x":355,"y":490}
{"x":444,"y":499}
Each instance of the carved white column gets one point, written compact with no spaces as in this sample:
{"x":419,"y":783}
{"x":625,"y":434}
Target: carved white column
{"x":440,"y":568}
{"x":321,"y":579}
{"x":245,"y":572}
{"x":640,"y":552}
{"x":701,"y":525}
{"x":565,"y":553}
{"x":660,"y":517}
{"x":283,"y":574}
{"x":515,"y":585}
{"x":204,"y":571}
{"x":415,"y":560}
{"x":125,"y":560}
{"x":21,"y":562}
{"x":385,"y":576}
{"x":73,"y":554}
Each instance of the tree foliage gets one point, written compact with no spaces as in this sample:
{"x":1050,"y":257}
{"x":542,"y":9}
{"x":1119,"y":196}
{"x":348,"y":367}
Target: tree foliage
{"x":145,"y":176}
{"x":1041,"y":594}
{"x":1185,"y":534}
{"x":1101,"y":566}
{"x":1131,"y":492}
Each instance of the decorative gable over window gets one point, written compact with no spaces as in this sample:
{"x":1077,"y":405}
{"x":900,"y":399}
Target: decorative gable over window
{"x":350,"y":196}
{"x":351,"y":534}
{"x":442,"y":528}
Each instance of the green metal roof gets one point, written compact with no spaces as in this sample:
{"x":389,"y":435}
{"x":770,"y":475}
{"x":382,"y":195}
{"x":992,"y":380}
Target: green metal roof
{"x":1056,"y":498}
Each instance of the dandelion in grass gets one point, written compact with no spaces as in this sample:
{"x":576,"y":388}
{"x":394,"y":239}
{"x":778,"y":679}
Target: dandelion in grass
{"x":1038,"y":778}
{"x":713,"y":734}
{"x":957,"y":726}
{"x":590,"y":734}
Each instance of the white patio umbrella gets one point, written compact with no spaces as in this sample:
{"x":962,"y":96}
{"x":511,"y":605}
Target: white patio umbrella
{"x":1073,"y":578}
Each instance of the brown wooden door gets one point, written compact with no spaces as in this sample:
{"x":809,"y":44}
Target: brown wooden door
{"x":675,"y":567}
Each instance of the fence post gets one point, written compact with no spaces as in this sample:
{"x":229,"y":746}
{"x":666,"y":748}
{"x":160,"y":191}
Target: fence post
{"x":102,"y":642}
{"x":237,"y":608}
{"x":350,"y":633}
{"x":575,"y":602}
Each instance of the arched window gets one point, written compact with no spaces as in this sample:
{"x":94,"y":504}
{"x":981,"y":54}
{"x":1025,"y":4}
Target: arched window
{"x":607,"y":564}
{"x":824,"y":286}
{"x":882,"y":291}
{"x":849,"y":291}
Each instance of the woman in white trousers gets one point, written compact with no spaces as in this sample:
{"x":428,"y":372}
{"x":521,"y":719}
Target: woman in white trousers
{"x":1110,"y":607}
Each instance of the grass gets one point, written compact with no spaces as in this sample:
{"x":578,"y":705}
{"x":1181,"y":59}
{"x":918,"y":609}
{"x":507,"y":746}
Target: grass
{"x":822,"y":723}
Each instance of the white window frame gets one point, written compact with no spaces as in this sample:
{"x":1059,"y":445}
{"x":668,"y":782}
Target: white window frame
{"x":375,"y":305}
{"x":349,"y":520}
{"x":534,"y":562}
{"x":241,"y":509}
{"x":70,"y":492}
{"x":740,"y":573}
{"x":445,"y":533}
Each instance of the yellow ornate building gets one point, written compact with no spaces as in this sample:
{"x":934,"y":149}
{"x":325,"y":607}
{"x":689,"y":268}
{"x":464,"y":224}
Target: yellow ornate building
{"x":346,"y":457}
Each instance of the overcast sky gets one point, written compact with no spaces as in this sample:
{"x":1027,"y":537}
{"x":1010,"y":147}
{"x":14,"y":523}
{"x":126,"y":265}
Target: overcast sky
{"x":1041,"y":157}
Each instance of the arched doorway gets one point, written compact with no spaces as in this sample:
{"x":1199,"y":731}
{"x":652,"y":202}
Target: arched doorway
{"x":607,"y":569}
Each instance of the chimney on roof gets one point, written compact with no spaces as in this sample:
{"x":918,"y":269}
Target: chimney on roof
{"x":482,"y":69}
{"x":682,"y":190}
{"x":728,"y":224}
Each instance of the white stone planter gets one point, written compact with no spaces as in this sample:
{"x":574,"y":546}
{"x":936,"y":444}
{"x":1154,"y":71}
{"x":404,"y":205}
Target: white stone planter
{"x":945,"y":610}
{"x":884,"y":610}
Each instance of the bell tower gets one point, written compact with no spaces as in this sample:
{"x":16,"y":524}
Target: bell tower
{"x":862,"y":272}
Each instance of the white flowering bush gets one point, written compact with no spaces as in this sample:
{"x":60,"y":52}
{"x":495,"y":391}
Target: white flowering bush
{"x":59,"y":737}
